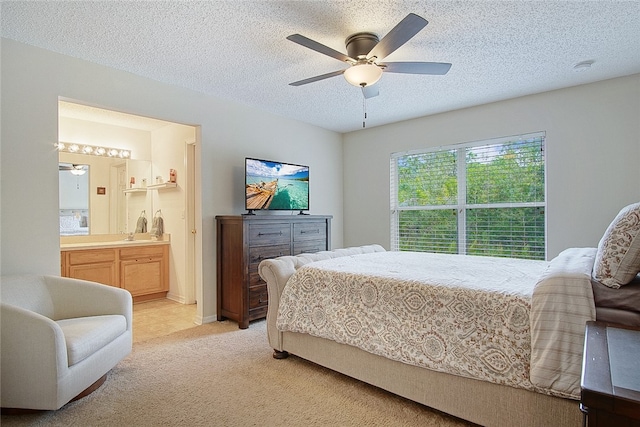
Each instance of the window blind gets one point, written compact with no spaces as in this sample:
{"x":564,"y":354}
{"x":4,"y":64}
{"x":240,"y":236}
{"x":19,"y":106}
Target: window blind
{"x":479,"y":198}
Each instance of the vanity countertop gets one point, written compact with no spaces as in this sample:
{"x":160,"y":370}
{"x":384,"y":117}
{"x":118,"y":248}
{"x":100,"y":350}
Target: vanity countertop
{"x":109,"y":241}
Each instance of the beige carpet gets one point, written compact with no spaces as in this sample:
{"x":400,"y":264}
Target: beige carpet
{"x":218,"y":375}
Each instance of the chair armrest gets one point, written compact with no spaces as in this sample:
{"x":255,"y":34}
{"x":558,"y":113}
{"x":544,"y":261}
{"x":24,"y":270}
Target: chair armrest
{"x":33,"y":349}
{"x":81,"y":298}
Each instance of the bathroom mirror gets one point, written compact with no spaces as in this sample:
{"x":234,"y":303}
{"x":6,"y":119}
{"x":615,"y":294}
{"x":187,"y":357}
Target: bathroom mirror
{"x":74,"y":199}
{"x":106,"y":207}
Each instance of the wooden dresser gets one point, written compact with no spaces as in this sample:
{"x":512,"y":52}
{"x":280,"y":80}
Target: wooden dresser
{"x":245,"y":240}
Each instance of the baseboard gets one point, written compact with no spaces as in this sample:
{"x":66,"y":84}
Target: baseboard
{"x":179,"y":299}
{"x":176,"y":298}
{"x":208,"y":319}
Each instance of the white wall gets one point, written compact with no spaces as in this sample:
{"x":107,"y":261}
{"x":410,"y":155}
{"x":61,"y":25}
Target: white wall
{"x":79,"y":131}
{"x":593,"y":157}
{"x":32,"y":81}
{"x":168,"y":152}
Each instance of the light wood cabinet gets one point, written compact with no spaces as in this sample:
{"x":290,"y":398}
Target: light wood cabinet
{"x":97,"y":265}
{"x":142,"y":270}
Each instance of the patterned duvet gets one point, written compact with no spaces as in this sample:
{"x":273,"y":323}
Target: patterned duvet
{"x":470,"y":317}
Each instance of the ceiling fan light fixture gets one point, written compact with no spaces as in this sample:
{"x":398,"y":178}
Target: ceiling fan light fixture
{"x":363,"y":75}
{"x":78,"y":170}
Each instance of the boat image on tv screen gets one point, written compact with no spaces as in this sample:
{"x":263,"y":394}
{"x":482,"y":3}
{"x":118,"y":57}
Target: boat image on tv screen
{"x":276,"y":186}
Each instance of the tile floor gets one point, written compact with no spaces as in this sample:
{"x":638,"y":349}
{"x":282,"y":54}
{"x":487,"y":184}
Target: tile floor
{"x":157,"y":318}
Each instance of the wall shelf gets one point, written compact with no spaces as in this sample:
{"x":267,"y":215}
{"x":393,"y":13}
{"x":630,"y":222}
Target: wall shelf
{"x":135,"y":190}
{"x":162,"y":186}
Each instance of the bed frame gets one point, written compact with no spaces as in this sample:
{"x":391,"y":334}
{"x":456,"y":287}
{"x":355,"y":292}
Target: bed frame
{"x":480,"y":402}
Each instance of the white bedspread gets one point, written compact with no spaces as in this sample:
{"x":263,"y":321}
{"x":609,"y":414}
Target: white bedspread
{"x":468,"y":316}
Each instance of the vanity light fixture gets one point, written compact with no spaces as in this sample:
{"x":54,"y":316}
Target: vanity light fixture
{"x":93,"y":150}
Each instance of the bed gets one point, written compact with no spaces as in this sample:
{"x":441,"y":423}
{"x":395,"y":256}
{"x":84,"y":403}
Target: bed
{"x":74,"y":222}
{"x":494,"y":341}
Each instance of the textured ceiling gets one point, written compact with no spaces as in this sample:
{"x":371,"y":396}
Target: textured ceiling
{"x":238,"y":49}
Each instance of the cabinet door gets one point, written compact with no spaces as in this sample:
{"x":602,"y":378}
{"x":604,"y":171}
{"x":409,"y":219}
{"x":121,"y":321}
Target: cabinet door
{"x":143,"y":276}
{"x":96,"y":265}
{"x":104,"y":272}
{"x":144,"y":270}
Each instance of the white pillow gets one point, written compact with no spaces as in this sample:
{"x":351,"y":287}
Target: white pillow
{"x":618,"y":258}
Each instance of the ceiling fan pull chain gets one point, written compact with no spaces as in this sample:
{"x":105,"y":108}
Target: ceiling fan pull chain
{"x":364,"y":110}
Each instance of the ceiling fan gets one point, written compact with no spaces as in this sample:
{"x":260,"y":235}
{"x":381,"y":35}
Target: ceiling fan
{"x":365,"y":51}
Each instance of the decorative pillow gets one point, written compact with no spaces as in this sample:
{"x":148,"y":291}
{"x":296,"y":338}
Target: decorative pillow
{"x":618,"y":257}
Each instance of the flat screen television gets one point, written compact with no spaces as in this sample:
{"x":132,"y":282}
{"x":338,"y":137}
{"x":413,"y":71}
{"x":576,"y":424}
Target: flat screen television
{"x":278,"y":186}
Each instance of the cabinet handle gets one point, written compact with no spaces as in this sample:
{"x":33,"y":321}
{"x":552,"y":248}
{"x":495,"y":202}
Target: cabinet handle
{"x":260,"y":257}
{"x":278,"y":233}
{"x":316,"y":231}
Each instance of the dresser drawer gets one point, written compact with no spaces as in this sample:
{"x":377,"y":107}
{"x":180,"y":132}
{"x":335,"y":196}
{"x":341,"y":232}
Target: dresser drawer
{"x":258,"y":296}
{"x":254,"y":278}
{"x":309,"y":231}
{"x":260,"y":253}
{"x":309,"y":247}
{"x":258,"y":312}
{"x":269,"y":234}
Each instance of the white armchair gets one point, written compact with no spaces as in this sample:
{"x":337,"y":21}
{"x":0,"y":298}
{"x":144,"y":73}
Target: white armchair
{"x":59,"y":337}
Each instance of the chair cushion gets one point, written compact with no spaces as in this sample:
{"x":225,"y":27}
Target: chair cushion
{"x":86,"y":335}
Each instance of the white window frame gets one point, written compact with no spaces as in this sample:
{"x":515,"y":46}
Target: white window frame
{"x":461,"y":205}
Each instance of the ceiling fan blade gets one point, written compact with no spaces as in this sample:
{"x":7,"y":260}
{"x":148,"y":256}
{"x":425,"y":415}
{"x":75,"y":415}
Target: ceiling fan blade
{"x":434,"y":68}
{"x":319,"y":47}
{"x":316,"y":78}
{"x":370,"y":91}
{"x":399,"y":35}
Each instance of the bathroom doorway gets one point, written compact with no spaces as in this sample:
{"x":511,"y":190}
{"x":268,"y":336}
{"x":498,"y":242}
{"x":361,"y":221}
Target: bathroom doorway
{"x":170,"y":149}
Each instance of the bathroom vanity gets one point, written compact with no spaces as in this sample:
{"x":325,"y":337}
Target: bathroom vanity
{"x":140,"y":266}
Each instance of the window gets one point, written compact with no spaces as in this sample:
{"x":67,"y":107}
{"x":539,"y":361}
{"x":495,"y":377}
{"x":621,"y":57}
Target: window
{"x":480,"y":198}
